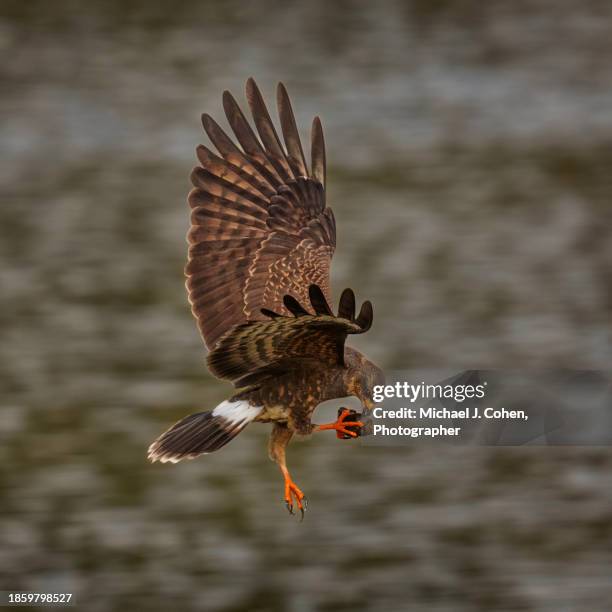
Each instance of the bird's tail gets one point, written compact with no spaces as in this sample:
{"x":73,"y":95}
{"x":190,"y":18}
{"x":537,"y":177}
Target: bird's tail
{"x":203,"y":432}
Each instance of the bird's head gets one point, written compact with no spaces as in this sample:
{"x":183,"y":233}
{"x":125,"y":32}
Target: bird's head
{"x":361,"y":376}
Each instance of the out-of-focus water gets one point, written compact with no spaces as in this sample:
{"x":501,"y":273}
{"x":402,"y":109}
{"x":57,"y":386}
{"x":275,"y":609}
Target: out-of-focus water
{"x":470,"y":148}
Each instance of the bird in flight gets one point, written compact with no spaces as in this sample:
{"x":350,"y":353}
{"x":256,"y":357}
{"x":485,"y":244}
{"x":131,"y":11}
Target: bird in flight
{"x":260,"y":248}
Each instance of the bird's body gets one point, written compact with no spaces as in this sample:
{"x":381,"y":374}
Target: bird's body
{"x":293,"y":397}
{"x":261,"y":244}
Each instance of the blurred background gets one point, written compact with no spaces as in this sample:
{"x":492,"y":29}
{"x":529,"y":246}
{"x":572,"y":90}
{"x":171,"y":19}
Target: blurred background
{"x":470,"y":153}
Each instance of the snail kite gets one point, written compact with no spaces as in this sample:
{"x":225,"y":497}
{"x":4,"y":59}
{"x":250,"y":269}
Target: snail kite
{"x":260,"y":248}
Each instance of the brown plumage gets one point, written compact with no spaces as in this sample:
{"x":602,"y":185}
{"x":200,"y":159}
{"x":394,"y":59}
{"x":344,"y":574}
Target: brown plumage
{"x":260,"y":248}
{"x":260,"y":228}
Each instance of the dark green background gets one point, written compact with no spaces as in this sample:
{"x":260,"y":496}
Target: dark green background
{"x":469,"y":147}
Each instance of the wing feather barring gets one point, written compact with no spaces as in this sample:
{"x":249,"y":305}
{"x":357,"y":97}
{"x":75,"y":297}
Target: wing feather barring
{"x":258,"y":279}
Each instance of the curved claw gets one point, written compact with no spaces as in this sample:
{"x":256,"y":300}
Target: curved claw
{"x":303,"y":508}
{"x":292,"y":491}
{"x":348,"y":432}
{"x":341,"y":425}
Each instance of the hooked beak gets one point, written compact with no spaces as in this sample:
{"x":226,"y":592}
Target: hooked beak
{"x":368,"y":404}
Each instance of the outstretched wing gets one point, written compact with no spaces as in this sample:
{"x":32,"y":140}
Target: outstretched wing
{"x":259,"y":349}
{"x":260,"y":228}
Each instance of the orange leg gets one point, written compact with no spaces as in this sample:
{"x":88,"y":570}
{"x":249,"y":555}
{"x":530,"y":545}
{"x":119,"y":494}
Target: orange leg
{"x":293,"y":491}
{"x":279,"y":439}
{"x":340,"y":426}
